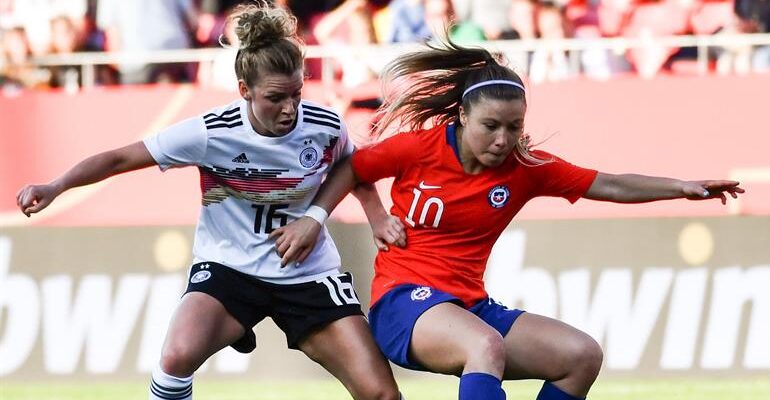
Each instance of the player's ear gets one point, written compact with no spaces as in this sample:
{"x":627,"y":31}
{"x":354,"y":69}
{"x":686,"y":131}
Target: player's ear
{"x":243,"y":89}
{"x":462,"y":116}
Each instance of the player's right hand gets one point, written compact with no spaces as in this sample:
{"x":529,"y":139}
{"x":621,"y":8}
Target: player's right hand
{"x":295,"y":241}
{"x":34,"y":198}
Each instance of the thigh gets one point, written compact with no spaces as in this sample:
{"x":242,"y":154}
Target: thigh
{"x":302,"y":309}
{"x":539,"y":347}
{"x":244,"y":298}
{"x":347,"y":350}
{"x":446,"y":335}
{"x":199,"y":328}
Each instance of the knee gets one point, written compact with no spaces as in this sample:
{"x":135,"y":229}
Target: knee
{"x":377,"y":391}
{"x":488,"y":349}
{"x":586,"y":356}
{"x":177,"y":361}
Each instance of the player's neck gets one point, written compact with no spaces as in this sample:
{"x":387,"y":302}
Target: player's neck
{"x":470,"y":164}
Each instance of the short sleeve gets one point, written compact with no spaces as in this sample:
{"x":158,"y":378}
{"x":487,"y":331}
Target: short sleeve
{"x":181,"y":144}
{"x":558,"y":178}
{"x":387,"y":158}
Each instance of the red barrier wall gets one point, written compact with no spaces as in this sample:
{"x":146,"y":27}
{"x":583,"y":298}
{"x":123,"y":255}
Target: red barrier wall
{"x":687,"y":127}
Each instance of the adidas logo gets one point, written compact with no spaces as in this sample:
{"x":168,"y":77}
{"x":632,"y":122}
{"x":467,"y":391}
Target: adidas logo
{"x":241,"y":159}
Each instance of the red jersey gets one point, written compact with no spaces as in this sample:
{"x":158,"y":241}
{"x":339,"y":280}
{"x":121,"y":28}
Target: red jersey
{"x":453,"y":218}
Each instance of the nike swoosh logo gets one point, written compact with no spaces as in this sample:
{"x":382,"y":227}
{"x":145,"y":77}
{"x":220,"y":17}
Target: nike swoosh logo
{"x":423,"y":186}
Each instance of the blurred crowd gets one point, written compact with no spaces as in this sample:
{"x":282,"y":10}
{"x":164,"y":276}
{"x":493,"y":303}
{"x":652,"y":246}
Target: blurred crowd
{"x":35,"y":28}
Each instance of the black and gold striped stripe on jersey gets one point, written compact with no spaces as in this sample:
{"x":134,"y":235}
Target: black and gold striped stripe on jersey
{"x":320,"y":116}
{"x":228,"y":119}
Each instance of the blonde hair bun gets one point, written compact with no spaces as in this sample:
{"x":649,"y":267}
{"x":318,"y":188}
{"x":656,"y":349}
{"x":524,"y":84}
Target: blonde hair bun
{"x":259,"y":25}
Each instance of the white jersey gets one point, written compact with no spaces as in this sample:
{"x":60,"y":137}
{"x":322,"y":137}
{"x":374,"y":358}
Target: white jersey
{"x":252,"y":184}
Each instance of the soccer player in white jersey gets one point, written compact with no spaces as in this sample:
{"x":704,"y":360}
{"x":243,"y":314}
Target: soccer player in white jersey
{"x":261,"y":160}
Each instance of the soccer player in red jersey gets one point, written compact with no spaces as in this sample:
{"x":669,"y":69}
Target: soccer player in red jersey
{"x":457,"y":187}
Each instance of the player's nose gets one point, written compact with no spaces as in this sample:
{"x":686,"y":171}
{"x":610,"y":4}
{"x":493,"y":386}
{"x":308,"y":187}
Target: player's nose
{"x":501,"y":140}
{"x":289,"y":107}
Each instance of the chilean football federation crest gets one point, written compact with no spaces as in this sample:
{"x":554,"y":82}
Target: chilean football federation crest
{"x":421,"y":293}
{"x":498,"y":196}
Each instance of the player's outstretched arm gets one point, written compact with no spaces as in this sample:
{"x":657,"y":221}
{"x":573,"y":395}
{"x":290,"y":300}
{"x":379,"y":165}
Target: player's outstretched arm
{"x":632,"y":188}
{"x":34,"y":198}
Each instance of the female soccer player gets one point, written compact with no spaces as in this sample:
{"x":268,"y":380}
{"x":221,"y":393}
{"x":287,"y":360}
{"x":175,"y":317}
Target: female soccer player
{"x":457,"y":186}
{"x":261,"y":161}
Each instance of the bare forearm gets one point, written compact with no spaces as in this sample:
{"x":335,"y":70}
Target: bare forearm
{"x":340,"y":181}
{"x":34,"y":198}
{"x":367,"y":195}
{"x":91,"y":170}
{"x":633,"y":188}
{"x":104,"y":165}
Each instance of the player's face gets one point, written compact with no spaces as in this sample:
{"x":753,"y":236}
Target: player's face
{"x":490,"y":130}
{"x":273,"y":102}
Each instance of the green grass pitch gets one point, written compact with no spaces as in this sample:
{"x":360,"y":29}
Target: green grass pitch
{"x":413,"y":389}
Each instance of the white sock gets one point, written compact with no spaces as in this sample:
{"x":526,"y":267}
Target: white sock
{"x":167,"y":387}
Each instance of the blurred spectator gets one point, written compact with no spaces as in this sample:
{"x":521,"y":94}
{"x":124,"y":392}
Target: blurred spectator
{"x":754,"y":17}
{"x":547,"y":63}
{"x":146,"y":25}
{"x":423,"y":20}
{"x":712,"y":16}
{"x":212,"y":19}
{"x":382,"y":21}
{"x":17,"y":72}
{"x":649,"y":21}
{"x":65,"y":26}
{"x":748,"y":17}
{"x":408,"y":22}
{"x":307,"y":12}
{"x":346,"y":31}
{"x":597,"y":62}
{"x":440,"y":16}
{"x":348,"y":25}
{"x":65,"y":41}
{"x":521,"y":18}
{"x":220,"y":72}
{"x":6,"y":14}
{"x":613,"y":15}
{"x":35,"y":17}
{"x":490,"y":15}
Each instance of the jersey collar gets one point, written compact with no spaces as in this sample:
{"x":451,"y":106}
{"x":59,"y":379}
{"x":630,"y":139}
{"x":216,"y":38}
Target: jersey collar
{"x":451,"y":140}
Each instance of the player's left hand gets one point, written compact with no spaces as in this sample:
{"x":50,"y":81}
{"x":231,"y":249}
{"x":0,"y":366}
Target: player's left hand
{"x":296,"y":240}
{"x":388,"y":229}
{"x":702,"y":190}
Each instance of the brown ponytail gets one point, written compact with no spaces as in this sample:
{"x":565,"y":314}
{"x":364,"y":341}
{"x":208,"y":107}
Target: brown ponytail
{"x":426,"y":87}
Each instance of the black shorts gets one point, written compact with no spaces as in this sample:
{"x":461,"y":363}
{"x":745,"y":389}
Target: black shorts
{"x":297,"y":309}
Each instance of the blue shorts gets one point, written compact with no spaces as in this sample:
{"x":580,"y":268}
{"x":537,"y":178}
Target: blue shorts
{"x":393,"y":317}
